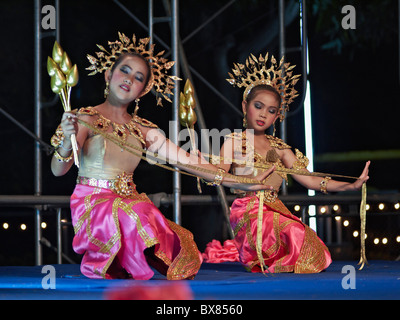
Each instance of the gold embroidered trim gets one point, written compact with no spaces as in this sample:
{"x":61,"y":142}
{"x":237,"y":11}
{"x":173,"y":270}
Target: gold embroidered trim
{"x":86,"y":215}
{"x":277,"y":231}
{"x":280,"y":269}
{"x":245,"y":218}
{"x":187,"y":263}
{"x":116,"y":238}
{"x":312,"y":255}
{"x":163,"y":256}
{"x":127,"y":208}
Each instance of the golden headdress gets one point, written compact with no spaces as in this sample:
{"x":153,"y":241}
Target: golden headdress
{"x":162,"y":82}
{"x":256,"y":72}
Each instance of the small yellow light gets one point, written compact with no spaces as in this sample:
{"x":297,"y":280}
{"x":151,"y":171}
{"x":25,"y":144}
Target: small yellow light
{"x":376,"y":241}
{"x":381,"y":206}
{"x":398,"y":238}
{"x":397,"y":206}
{"x":23,"y":226}
{"x":43,"y":225}
{"x":322,"y":209}
{"x":337,"y":218}
{"x":355,"y":234}
{"x":346,"y":223}
{"x":336,"y":207}
{"x":5,"y":225}
{"x":297,"y":207}
{"x":384,"y":240}
{"x":367,"y":206}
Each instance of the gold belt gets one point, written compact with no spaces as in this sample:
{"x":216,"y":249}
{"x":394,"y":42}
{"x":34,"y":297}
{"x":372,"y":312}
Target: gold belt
{"x":123,"y":184}
{"x":269,"y":195}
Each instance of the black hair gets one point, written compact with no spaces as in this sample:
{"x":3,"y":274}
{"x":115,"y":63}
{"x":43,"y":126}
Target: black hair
{"x":261,"y":87}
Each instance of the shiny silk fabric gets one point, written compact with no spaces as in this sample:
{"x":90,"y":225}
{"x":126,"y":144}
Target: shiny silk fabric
{"x":288,"y":245}
{"x":120,"y":236}
{"x":113,"y":234}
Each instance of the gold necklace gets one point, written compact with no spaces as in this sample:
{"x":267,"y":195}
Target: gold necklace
{"x":122,"y":131}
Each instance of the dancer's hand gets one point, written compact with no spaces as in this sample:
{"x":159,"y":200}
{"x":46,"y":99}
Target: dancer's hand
{"x":69,"y":125}
{"x":262,"y":178}
{"x":363,"y":178}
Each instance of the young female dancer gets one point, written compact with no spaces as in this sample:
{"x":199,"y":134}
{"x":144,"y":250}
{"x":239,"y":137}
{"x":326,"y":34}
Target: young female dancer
{"x":284,"y":243}
{"x":119,"y":231}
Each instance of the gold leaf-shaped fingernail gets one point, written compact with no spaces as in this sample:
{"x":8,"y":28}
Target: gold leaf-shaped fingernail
{"x":191,"y":117}
{"x":66,"y":63}
{"x":57,"y":81}
{"x":188,"y":89}
{"x":73,"y":76}
{"x":51,"y":66}
{"x":57,"y":52}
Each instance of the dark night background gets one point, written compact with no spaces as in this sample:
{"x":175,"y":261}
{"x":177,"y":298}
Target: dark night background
{"x":354,"y":76}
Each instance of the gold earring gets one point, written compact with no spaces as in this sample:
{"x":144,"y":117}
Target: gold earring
{"x":245,"y":120}
{"x":274,"y":132}
{"x":136,"y":107}
{"x":106,"y":90}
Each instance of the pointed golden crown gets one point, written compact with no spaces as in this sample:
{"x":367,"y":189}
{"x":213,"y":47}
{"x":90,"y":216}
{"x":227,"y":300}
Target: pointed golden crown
{"x":256,"y":72}
{"x":159,"y":79}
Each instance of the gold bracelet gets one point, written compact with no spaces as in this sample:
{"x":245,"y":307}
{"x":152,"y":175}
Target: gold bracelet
{"x":324,"y":184}
{"x":219,"y":176}
{"x":61,"y":158}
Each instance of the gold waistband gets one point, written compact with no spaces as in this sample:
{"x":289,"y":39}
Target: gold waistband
{"x":123,"y":184}
{"x":269,"y":195}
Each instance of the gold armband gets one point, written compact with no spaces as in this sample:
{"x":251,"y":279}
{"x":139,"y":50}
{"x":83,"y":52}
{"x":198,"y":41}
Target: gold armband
{"x":219,"y":176}
{"x":324,"y":184}
{"x":57,"y":138}
{"x":61,"y":158}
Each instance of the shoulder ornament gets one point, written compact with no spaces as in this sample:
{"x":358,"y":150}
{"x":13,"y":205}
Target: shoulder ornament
{"x":301,"y":162}
{"x":144,"y":122}
{"x":90,"y":111}
{"x":277,"y":143}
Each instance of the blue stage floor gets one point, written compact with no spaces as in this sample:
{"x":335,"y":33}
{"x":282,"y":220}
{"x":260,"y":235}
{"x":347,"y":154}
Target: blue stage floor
{"x":227,"y":281}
